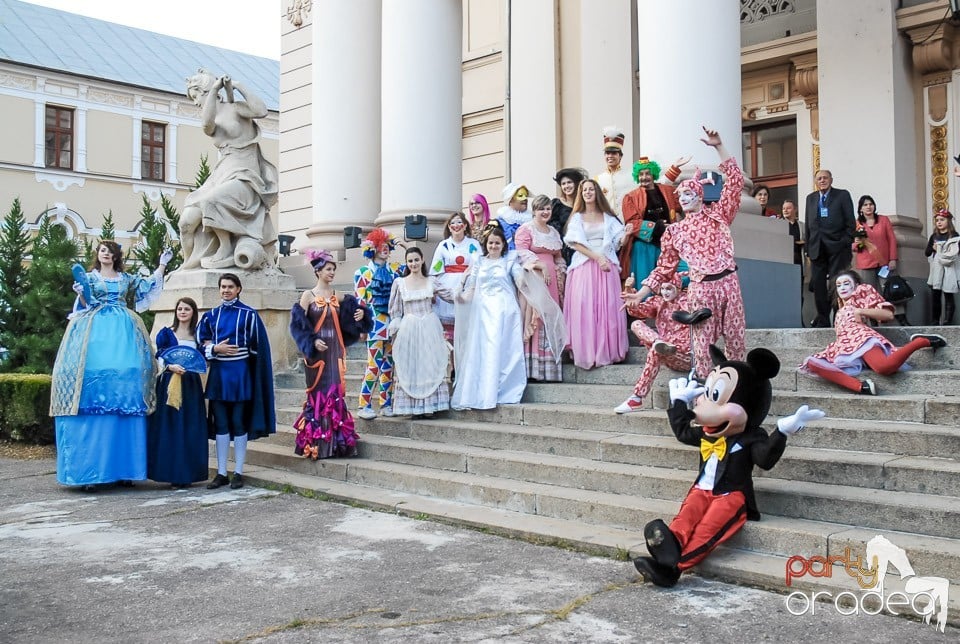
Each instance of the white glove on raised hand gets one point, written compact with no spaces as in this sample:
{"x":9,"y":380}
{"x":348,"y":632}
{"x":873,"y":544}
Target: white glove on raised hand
{"x":78,"y":288}
{"x":790,"y":425}
{"x":165,"y":257}
{"x":683,"y":390}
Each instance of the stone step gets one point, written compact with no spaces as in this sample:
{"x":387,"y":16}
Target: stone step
{"x":877,"y":470}
{"x":875,"y":508}
{"x":895,"y":437}
{"x":587,"y":520}
{"x":915,"y":381}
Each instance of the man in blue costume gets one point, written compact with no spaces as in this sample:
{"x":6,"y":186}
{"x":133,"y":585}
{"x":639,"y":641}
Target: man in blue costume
{"x":240,"y":381}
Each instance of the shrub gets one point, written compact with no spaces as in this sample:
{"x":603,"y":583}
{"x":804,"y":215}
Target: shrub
{"x":25,"y":408}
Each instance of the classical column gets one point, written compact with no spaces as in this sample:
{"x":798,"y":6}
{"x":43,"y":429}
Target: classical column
{"x":690,"y":82}
{"x":422,"y":117}
{"x":693,"y":82}
{"x":346,"y":118}
{"x":607,"y":83}
{"x":534,"y":97}
{"x":871,"y":151}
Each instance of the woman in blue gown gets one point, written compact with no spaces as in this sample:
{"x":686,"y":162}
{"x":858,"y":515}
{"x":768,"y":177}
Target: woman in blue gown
{"x":103,"y":377}
{"x":177,"y":430}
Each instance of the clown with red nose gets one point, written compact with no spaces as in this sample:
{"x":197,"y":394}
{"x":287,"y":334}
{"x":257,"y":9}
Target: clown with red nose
{"x":722,"y":420}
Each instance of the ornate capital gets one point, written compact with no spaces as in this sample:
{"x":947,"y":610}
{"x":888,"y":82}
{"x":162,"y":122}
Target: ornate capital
{"x":297,"y":12}
{"x":805,"y":78}
{"x":932,"y":49}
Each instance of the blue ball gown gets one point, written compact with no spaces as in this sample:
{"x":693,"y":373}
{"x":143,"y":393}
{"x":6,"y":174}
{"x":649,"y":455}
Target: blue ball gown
{"x":103,"y":384}
{"x":177,"y":438}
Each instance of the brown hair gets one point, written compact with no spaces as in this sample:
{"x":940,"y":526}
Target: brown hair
{"x":114,"y":249}
{"x":602,"y":203}
{"x":463,"y":217}
{"x":193,"y":318}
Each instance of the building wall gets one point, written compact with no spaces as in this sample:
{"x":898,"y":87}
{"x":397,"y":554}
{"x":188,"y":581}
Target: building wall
{"x":295,"y":144}
{"x":111,"y":117}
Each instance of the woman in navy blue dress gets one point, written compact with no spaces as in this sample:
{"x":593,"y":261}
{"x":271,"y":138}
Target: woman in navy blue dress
{"x":177,"y":432}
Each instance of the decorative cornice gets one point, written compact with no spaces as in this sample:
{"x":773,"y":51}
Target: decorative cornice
{"x":17,"y":81}
{"x":153,"y":191}
{"x":60,"y":182}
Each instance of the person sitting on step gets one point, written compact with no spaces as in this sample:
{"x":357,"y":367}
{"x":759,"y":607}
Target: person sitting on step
{"x":857,"y":344}
{"x":668,"y":344}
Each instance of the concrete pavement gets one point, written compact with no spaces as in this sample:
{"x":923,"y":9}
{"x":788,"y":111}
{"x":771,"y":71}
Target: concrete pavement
{"x":151,"y":564}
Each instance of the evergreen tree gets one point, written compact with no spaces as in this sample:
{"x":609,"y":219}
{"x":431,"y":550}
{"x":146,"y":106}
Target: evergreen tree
{"x":88,"y":254}
{"x":49,"y":299}
{"x":203,"y":173}
{"x":172,"y":218}
{"x":108,"y":231}
{"x":14,"y":242}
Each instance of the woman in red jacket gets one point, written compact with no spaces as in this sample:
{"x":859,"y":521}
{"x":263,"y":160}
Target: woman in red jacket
{"x":874,"y":245}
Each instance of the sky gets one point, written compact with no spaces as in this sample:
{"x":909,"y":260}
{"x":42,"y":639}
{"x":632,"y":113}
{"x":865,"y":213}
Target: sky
{"x":250,"y":26}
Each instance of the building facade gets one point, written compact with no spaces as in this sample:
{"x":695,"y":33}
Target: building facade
{"x":865,"y":89}
{"x":99,"y":119}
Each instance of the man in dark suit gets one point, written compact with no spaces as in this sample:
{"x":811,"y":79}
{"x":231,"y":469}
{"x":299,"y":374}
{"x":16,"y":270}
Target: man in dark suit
{"x":829,"y":228}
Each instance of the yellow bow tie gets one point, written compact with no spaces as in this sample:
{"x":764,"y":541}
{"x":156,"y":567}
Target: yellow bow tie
{"x":718,"y":447}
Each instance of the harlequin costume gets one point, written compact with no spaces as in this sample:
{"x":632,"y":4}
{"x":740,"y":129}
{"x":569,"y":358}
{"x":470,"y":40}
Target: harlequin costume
{"x":704,"y":241}
{"x":372,"y":284}
{"x":724,"y":425}
{"x":858,"y":344}
{"x":668,"y":344}
{"x":649,"y":211}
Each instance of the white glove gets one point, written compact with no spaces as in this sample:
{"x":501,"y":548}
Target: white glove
{"x":165,"y":257}
{"x":78,"y":288}
{"x":686,"y":391}
{"x":790,"y":425}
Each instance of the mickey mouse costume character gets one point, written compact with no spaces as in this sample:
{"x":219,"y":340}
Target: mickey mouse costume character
{"x":725,"y":425}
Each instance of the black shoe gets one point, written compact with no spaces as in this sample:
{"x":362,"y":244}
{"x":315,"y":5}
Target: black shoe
{"x":658,"y":574}
{"x":125,"y":483}
{"x":662,"y":544}
{"x":237,"y":482}
{"x":868,"y":387}
{"x":179,"y":486}
{"x":820,"y":323}
{"x":88,"y":488}
{"x":936,"y":341}
{"x":218,"y":481}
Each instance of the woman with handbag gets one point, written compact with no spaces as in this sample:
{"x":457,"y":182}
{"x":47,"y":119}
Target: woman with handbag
{"x":857,"y":344}
{"x":874,"y":245}
{"x":944,"y":279}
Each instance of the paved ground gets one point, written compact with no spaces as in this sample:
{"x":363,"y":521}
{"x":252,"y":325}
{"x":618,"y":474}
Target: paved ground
{"x":151,"y":564}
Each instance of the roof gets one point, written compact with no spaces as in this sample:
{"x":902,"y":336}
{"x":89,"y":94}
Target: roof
{"x":61,"y":41}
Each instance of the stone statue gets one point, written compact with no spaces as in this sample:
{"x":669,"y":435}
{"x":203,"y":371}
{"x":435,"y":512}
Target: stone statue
{"x":226,"y":222}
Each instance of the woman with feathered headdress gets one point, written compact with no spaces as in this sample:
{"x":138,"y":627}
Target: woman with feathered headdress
{"x":323,"y":326}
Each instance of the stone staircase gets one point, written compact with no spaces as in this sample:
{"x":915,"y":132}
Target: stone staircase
{"x":562,"y":468}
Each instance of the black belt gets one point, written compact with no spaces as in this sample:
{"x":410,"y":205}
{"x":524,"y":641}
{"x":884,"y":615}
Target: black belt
{"x":717,"y":276}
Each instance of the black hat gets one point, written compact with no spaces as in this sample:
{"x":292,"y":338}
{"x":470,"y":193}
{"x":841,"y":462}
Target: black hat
{"x":577,"y":174}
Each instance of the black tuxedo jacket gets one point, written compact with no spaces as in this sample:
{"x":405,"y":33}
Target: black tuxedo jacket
{"x":833,"y":233}
{"x":735,"y":471}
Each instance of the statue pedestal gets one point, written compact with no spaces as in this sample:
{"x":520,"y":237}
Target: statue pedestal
{"x":270,"y":292}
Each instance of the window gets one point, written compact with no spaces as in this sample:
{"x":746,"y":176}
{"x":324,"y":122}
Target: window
{"x":770,"y":158}
{"x":152,"y":145}
{"x":59,"y":138}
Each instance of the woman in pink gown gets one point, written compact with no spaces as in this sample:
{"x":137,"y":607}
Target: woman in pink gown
{"x":539,"y":247}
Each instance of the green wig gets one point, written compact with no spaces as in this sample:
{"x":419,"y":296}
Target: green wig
{"x":645,"y":164}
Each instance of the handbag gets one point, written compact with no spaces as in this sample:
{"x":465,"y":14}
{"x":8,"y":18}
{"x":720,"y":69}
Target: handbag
{"x":646,"y":230}
{"x":897,"y":290}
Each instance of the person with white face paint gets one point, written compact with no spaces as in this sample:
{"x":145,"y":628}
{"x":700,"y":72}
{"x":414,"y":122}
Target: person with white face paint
{"x":668,"y":344}
{"x":704,"y":242}
{"x":858,"y":344}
